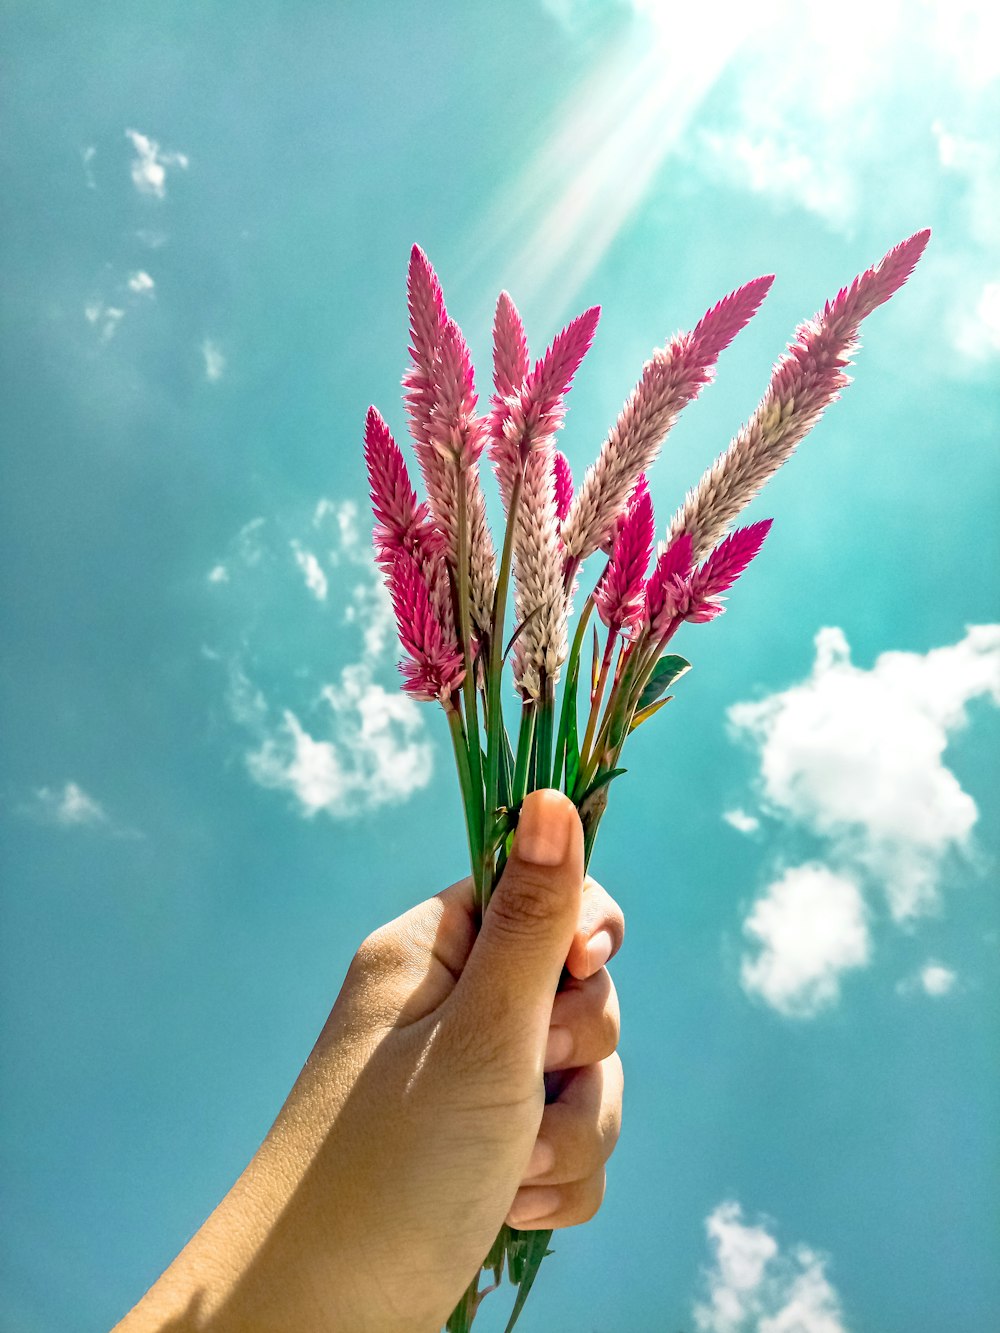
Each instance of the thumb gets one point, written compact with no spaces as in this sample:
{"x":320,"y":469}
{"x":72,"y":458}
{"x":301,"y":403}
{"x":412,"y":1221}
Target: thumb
{"x":510,"y":980}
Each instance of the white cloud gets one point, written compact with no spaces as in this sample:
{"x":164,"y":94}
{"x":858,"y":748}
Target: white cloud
{"x":349,"y":544}
{"x":87,"y":157}
{"x":932,"y":979}
{"x":316,"y":580}
{"x":856,"y":757}
{"x":218,"y":574}
{"x":976,"y":332}
{"x":808,"y":928}
{"x":741,"y":821}
{"x":70,"y":807}
{"x":149,"y":166}
{"x":104,"y":318}
{"x":141,"y":283}
{"x":379,"y":755}
{"x":214,"y":360}
{"x":753,"y":1286}
{"x":355,"y":745}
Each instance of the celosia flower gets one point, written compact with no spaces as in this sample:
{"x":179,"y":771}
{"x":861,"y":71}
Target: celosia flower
{"x":563,"y":481}
{"x":435,"y":669}
{"x":619,"y":594}
{"x":448,"y":436}
{"x":676,"y":593}
{"x":672,"y":377}
{"x":527,"y":417}
{"x":806,"y":380}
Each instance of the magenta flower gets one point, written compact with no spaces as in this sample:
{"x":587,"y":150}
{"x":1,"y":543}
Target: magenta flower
{"x":510,"y":349}
{"x":434,"y":669}
{"x":675,"y":593}
{"x":528,"y":417}
{"x":672,"y":377}
{"x":805,"y":381}
{"x":563,"y":481}
{"x":619,"y":596}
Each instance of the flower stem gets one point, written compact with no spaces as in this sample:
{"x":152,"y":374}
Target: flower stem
{"x":494,"y":711}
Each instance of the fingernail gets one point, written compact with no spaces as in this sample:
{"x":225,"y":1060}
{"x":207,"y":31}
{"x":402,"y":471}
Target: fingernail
{"x":543,"y":830}
{"x":558,"y":1047}
{"x":542,"y":1159}
{"x":532,"y":1203}
{"x":599,"y":950}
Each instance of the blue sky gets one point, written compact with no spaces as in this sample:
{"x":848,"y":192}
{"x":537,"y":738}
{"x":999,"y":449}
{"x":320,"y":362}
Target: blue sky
{"x":211,"y":787}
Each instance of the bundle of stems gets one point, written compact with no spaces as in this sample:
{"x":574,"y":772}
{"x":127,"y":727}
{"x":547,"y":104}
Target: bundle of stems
{"x":452,"y":600}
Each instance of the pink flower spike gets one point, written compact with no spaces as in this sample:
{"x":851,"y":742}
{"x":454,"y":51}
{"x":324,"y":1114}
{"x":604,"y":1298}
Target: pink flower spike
{"x":455,"y":430}
{"x":435,"y":669}
{"x":563,"y":479}
{"x":426,"y":306}
{"x":619,"y":595}
{"x":401,"y":522}
{"x":527,"y":420}
{"x":719,"y":326}
{"x":668,"y":589}
{"x":672,"y":377}
{"x":876,"y":285}
{"x":729,"y":559}
{"x":805,"y":381}
{"x":553,"y":373}
{"x":510,"y":349}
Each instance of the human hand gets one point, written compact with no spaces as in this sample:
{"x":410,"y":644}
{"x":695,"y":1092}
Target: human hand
{"x":419,"y":1122}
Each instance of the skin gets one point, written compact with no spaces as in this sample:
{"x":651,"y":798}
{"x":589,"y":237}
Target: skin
{"x":420,"y":1121}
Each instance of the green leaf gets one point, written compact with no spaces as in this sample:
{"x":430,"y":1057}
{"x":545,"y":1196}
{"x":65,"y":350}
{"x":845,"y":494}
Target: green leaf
{"x":531,"y":1248}
{"x":602,"y":780}
{"x":645,"y":713}
{"x":595,"y":664}
{"x":519,"y":630}
{"x":669,"y":668}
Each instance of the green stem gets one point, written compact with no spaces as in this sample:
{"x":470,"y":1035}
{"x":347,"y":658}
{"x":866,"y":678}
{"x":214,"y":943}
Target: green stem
{"x":469,"y":684}
{"x":569,"y":689}
{"x":494,"y":711}
{"x":598,"y":696}
{"x":543,"y":731}
{"x":525,"y":740}
{"x":469,"y":799}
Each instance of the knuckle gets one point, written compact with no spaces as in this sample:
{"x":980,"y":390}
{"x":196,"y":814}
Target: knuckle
{"x":524,"y":902}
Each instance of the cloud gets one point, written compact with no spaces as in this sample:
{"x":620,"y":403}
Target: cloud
{"x":316,"y":580}
{"x":104,"y":318}
{"x":70,"y":807}
{"x":809,"y":927}
{"x":753,"y":1286}
{"x":379,"y":755}
{"x":214,"y":360}
{"x":149,"y":166}
{"x":856,"y":757}
{"x":741,"y":821}
{"x":141,"y":283}
{"x":354,"y":744}
{"x":932,"y":979}
{"x":87,"y":156}
{"x":218,"y":574}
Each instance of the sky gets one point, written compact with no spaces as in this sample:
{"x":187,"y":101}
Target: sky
{"x":211,"y":787}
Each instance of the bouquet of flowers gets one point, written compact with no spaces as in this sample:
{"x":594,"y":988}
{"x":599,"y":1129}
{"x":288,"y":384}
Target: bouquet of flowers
{"x":450,"y":592}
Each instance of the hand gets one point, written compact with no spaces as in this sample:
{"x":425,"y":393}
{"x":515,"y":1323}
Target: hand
{"x":419,"y":1122}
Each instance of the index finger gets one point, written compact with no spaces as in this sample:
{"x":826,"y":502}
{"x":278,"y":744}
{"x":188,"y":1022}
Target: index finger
{"x":599,"y":933}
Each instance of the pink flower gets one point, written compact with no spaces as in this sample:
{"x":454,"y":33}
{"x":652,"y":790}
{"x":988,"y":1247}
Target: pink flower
{"x":619,"y":595}
{"x":676,"y":593}
{"x":510,"y":349}
{"x":434,"y":669}
{"x":672,"y":377}
{"x":528,"y":417}
{"x":807,"y":379}
{"x":563,"y":480}
{"x":668,"y":587}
